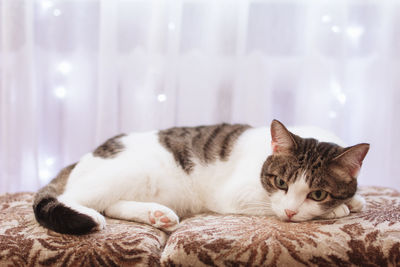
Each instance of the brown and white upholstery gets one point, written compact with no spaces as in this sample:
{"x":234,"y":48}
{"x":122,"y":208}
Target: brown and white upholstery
{"x":369,"y":238}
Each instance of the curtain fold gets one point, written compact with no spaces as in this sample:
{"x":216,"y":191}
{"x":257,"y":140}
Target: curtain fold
{"x":107,"y":74}
{"x":18,"y":144}
{"x":74,"y":73}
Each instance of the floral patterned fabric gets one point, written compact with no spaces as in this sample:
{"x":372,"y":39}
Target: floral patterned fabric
{"x":24,"y":243}
{"x":369,"y":238}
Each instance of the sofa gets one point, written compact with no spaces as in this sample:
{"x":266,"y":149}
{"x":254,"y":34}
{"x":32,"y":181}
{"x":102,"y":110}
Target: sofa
{"x":368,"y":238}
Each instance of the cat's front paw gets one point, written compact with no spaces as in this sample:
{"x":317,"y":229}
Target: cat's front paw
{"x":100,"y":221}
{"x":164,"y":219}
{"x":356,"y":203}
{"x":339,"y":212}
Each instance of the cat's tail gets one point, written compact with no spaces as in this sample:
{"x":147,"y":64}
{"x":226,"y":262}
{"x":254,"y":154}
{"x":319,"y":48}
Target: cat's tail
{"x":57,"y":216}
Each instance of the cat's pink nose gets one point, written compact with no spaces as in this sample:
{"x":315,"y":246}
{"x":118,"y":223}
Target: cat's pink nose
{"x":290,"y":213}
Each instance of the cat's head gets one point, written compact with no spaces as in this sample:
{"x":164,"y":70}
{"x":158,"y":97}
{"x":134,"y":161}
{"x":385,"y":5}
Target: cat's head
{"x":306,"y":178}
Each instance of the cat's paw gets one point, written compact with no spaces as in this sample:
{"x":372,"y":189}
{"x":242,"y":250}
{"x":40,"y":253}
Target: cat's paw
{"x":356,"y":203}
{"x":339,"y":212}
{"x":100,"y":221}
{"x":163,"y":218}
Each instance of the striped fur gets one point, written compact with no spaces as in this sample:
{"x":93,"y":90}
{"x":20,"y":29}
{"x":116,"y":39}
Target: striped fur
{"x":205,"y":143}
{"x":110,"y":148}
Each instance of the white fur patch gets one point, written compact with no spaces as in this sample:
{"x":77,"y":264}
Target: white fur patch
{"x":295,"y":199}
{"x":146,"y":212}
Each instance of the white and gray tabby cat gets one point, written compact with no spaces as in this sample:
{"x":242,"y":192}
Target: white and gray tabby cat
{"x":157,"y":177}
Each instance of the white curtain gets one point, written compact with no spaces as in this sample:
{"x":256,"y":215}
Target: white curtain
{"x":75,"y":72}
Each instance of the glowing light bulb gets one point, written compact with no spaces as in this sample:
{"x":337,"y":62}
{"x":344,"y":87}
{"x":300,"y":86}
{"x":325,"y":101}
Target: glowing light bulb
{"x":338,"y":93}
{"x":47,"y":4}
{"x":44,"y":174}
{"x":49,"y":161}
{"x":60,"y":92}
{"x":355,"y":32}
{"x":326,"y":18}
{"x":57,"y":12}
{"x":341,"y":97}
{"x":64,"y":67}
{"x":161,"y":97}
{"x":336,"y":29}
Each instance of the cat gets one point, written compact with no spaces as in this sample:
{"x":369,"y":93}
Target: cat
{"x":160,"y":176}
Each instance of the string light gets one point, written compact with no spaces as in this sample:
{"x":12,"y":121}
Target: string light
{"x":47,"y":4}
{"x":60,"y":92}
{"x":355,"y":32}
{"x":64,"y":67}
{"x":161,"y":97}
{"x":49,"y":161}
{"x":336,"y":29}
{"x":338,"y":93}
{"x":341,"y":98}
{"x":57,"y":12}
{"x":44,"y":174}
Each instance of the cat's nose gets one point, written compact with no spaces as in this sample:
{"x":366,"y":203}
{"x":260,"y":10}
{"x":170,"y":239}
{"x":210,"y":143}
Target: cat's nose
{"x":290,"y":213}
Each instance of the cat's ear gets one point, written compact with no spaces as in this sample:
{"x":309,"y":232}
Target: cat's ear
{"x":282,"y":140}
{"x":352,"y":158}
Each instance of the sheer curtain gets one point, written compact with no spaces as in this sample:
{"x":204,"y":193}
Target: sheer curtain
{"x":73,"y":73}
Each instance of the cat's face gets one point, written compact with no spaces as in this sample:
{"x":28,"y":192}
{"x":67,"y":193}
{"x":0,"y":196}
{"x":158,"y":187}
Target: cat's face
{"x":305,"y":178}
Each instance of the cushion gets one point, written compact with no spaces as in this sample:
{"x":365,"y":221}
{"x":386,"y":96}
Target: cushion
{"x":24,"y":242}
{"x":369,"y":238}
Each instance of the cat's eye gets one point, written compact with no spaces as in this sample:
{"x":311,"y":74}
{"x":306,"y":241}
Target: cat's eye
{"x":318,"y":195}
{"x":281,"y":184}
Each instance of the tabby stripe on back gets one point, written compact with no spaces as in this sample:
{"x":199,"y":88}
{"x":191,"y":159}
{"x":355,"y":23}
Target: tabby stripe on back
{"x":205,"y":143}
{"x":230,"y":139}
{"x":181,"y":155}
{"x":110,"y":148}
{"x":208,"y":146}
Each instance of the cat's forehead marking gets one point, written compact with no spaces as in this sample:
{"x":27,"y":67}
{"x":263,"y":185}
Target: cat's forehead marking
{"x":313,"y":156}
{"x":297,"y":193}
{"x":300,"y":185}
{"x":294,"y":174}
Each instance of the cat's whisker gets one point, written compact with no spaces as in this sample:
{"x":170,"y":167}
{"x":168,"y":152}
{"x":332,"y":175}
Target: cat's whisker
{"x":258,"y":204}
{"x":256,"y":209}
{"x":259,"y":208}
